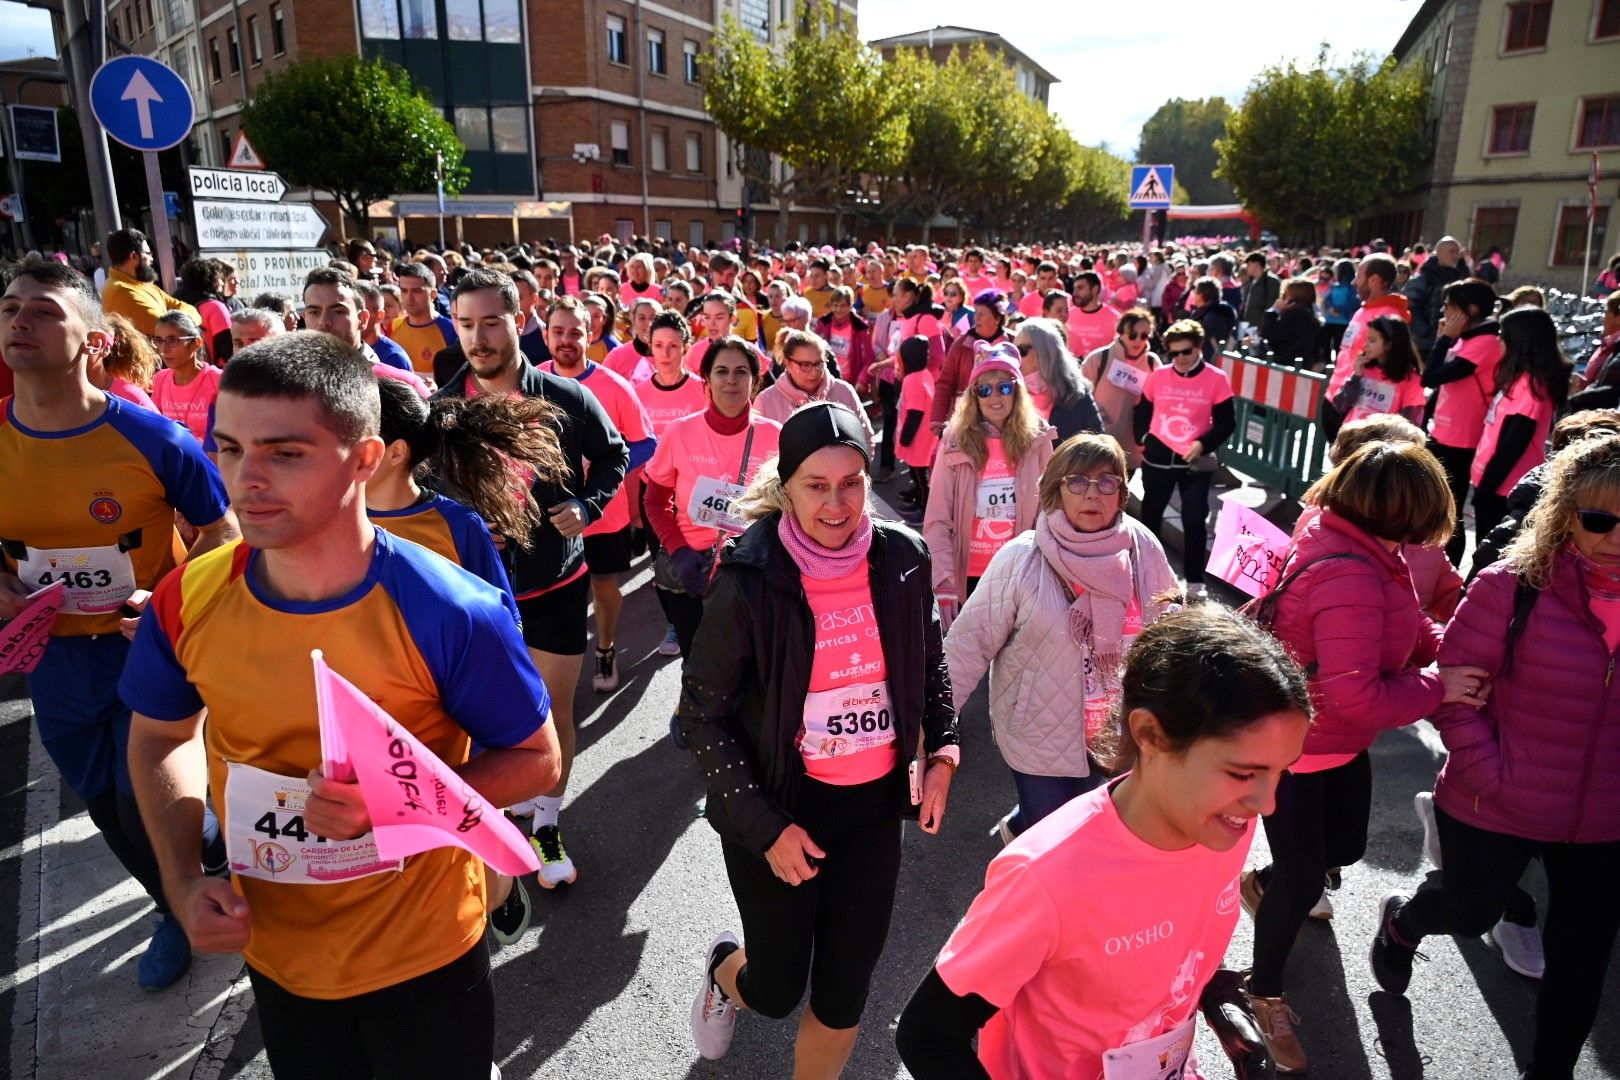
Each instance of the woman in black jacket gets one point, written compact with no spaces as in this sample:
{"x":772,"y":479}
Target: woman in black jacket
{"x":816,"y":681}
{"x":1291,"y":329}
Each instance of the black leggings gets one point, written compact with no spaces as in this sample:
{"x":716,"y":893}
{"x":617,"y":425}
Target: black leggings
{"x":1489,"y":509}
{"x":684,"y":613}
{"x":441,"y":1024}
{"x":831,"y":929}
{"x":1320,"y":821}
{"x":1482,"y":870}
{"x":1157,"y":484}
{"x":1458,"y":464}
{"x":888,"y":394}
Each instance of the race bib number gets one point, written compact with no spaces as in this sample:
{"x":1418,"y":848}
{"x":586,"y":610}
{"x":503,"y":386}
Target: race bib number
{"x":839,"y":346}
{"x":96,"y":580}
{"x":1377,"y":395}
{"x":266,"y":838}
{"x":1127,"y":378}
{"x":1163,"y":1057}
{"x":710,"y":506}
{"x":847,"y":720}
{"x":998,"y":501}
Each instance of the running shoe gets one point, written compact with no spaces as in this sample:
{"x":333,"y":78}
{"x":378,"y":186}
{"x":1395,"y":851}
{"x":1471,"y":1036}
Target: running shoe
{"x":606,"y":678}
{"x":1276,"y":1021}
{"x":1390,"y":957}
{"x":510,"y":921}
{"x":714,"y":1016}
{"x":671,"y":645}
{"x":167,"y":956}
{"x":1521,"y":948}
{"x":556,"y":868}
{"x":1423,"y":804}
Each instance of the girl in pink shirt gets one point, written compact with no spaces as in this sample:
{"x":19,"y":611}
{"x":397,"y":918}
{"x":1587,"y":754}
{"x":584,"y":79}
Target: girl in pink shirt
{"x":1099,"y":927}
{"x":1385,"y":378}
{"x":917,"y":437}
{"x":1463,"y":377}
{"x":187,"y":386}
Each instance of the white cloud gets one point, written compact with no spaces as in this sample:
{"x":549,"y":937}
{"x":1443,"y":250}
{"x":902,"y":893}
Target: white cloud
{"x":25,"y":31}
{"x":1117,"y":66}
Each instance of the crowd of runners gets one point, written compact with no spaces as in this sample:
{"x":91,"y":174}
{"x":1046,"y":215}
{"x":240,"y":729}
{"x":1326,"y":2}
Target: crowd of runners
{"x":439,"y":469}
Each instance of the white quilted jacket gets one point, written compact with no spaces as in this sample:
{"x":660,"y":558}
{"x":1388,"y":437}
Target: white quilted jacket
{"x":1016,"y":626}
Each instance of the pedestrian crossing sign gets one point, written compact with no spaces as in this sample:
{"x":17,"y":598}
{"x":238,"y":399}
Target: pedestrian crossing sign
{"x":1151,"y":186}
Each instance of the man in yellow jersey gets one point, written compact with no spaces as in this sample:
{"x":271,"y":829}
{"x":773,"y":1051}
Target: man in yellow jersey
{"x":132,"y":288}
{"x":421,"y":332}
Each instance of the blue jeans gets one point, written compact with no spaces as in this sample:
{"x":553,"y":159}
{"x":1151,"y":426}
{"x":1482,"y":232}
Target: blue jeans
{"x":1038,"y":796}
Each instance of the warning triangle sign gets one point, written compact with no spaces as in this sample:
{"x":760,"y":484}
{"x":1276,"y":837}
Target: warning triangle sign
{"x":1151,"y":189}
{"x":243,"y":156}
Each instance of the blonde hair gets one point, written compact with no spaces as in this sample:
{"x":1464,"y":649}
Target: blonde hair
{"x":1587,"y":471}
{"x":131,"y":357}
{"x":1023,"y":427}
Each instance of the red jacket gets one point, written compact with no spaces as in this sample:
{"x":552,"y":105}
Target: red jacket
{"x":852,"y":368}
{"x":1359,"y":622}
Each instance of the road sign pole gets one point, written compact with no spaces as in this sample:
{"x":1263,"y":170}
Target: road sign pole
{"x":160,"y":219}
{"x":82,"y":59}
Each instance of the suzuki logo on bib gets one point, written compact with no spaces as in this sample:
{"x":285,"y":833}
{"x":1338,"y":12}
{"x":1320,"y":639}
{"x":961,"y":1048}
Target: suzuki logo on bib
{"x":1139,"y":940}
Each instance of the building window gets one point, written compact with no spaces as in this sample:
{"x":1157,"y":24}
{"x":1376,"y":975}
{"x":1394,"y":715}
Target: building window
{"x":255,"y":51}
{"x":1494,"y":226}
{"x":509,"y":129}
{"x":755,"y":15}
{"x":213,"y":62}
{"x":462,"y":21}
{"x":689,"y":53}
{"x":1600,"y":124}
{"x":663,"y":229}
{"x":694,"y":233}
{"x":421,"y":20}
{"x":278,"y":31}
{"x":1569,"y":241}
{"x":624,"y":229}
{"x":234,"y":49}
{"x":694,"y":153}
{"x":502,"y":23}
{"x":655,"y":52}
{"x":224,"y":144}
{"x":619,"y":140}
{"x":472,"y":127}
{"x":1606,"y":20}
{"x":1527,"y":25}
{"x":1510,"y":129}
{"x":659,"y":150}
{"x":618,"y":51}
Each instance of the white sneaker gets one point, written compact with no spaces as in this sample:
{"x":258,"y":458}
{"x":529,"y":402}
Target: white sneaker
{"x":1323,"y":908}
{"x":556,"y":868}
{"x":606,"y":678}
{"x":714,"y":1016}
{"x":1423,"y":803}
{"x":671,"y":645}
{"x":1521,"y":948}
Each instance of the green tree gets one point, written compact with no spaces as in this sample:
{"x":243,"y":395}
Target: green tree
{"x":820,"y":104}
{"x":358,"y":128}
{"x":1312,"y":148}
{"x":1183,"y":133}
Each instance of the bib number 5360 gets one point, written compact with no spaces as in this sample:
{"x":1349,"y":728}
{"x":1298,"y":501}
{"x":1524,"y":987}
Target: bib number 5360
{"x":865,"y":722}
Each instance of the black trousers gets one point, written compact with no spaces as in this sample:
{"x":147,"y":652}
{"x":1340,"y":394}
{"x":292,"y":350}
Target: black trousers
{"x":1157,"y":484}
{"x":1489,"y":510}
{"x":684,"y":613}
{"x":828,"y":931}
{"x":1458,"y":463}
{"x":888,"y":394}
{"x":1320,"y":821}
{"x":1482,"y":871}
{"x":441,"y":1024}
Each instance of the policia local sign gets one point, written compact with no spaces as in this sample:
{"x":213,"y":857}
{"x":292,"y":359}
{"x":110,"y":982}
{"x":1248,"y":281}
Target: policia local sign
{"x":241,"y":219}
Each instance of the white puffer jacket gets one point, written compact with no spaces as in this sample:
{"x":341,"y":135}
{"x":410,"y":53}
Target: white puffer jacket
{"x":1016,"y":626}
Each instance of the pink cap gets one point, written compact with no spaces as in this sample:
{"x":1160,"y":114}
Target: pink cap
{"x":1001,"y":356}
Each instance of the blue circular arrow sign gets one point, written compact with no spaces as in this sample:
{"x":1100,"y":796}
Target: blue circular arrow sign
{"x":141,"y":103}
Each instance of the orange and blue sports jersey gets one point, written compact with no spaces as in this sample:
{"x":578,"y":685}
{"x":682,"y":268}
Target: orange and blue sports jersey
{"x":95,"y":506}
{"x":434,"y":646}
{"x":447,"y":528}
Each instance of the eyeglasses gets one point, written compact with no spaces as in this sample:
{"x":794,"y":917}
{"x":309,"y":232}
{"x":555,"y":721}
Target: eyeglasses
{"x":1183,"y":352}
{"x":1005,"y":389}
{"x":1600,"y":522}
{"x":1139,"y":337}
{"x":164,"y":342}
{"x":1108,"y":484}
{"x":1025,"y":349}
{"x":809,"y":365}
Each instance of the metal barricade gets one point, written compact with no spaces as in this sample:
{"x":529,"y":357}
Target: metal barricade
{"x":1277,"y":441}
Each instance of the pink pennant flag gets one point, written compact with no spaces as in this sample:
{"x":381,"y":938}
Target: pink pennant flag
{"x":417,"y":802}
{"x":1248,"y":551}
{"x":24,"y":637}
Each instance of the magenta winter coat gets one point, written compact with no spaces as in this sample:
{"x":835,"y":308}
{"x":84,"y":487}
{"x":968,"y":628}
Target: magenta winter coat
{"x":1542,"y":761}
{"x":1358,"y":620}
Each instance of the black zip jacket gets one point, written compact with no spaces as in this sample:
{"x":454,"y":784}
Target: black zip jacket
{"x":743,"y":687}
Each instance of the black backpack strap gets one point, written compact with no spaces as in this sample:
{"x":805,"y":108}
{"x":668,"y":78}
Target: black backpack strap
{"x":1524,"y":600}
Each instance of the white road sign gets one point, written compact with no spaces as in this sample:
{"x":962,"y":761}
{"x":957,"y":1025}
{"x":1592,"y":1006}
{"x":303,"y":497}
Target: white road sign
{"x":257,"y":225}
{"x":271,"y":271}
{"x":236,"y":184}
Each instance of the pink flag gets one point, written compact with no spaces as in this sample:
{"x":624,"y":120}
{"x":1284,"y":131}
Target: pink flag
{"x":24,"y":637}
{"x":416,"y":801}
{"x":1248,"y":551}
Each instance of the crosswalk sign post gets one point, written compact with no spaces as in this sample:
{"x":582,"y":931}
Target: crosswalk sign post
{"x":1151,"y":186}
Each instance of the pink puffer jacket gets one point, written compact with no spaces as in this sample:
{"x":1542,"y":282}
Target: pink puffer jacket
{"x":1542,"y":761}
{"x":1358,"y":620}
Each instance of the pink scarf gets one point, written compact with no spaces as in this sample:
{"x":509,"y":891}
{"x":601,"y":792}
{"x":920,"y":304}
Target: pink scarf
{"x":1097,"y":615}
{"x":822,"y":563}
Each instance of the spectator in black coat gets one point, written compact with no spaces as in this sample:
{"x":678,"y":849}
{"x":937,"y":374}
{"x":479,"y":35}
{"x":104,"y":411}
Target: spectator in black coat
{"x":1423,"y":291}
{"x":1290,"y":327}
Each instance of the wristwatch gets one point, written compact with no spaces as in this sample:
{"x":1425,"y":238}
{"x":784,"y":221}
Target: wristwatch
{"x":947,"y":755}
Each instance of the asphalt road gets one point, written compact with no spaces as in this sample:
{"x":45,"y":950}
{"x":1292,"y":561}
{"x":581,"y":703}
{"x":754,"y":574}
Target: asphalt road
{"x":602,"y":984}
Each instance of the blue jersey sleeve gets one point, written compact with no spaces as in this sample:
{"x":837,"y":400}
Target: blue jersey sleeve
{"x":469,"y":640}
{"x":153,"y":683}
{"x":190,"y":481}
{"x":474,"y":549}
{"x":391,"y":354}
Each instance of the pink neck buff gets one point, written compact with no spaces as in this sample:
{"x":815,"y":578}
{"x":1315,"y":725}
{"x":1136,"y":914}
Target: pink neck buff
{"x":822,"y":563}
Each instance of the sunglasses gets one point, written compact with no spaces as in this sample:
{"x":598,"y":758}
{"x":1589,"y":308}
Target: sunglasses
{"x":1183,"y":352}
{"x":1108,"y":484}
{"x":1140,"y":337}
{"x":1005,"y":389}
{"x":1025,"y":349}
{"x":1600,"y":522}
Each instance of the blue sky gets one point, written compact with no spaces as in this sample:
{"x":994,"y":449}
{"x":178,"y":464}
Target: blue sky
{"x":24,"y":31}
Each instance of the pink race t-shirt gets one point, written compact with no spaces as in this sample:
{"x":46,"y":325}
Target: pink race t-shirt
{"x":629,"y":294}
{"x":1380,"y":396}
{"x":618,"y":399}
{"x":628,"y":363}
{"x":847,"y":735}
{"x":187,"y":404}
{"x":1088,"y":332}
{"x":702,"y":467}
{"x":1460,"y":406}
{"x":130,"y":392}
{"x":917,"y":392}
{"x":995,"y":509}
{"x":1088,"y":939}
{"x":1184,"y":405}
{"x":1518,"y":400}
{"x":667,"y":403}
